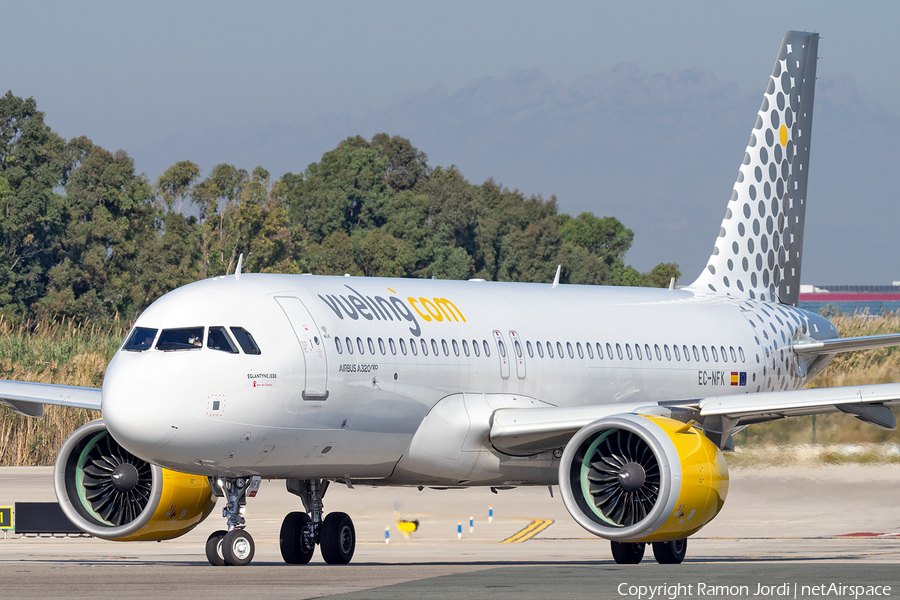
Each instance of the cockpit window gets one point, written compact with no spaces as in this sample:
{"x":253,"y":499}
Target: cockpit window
{"x":140,"y":339}
{"x":183,"y":338}
{"x":248,"y":344}
{"x":218,"y":339}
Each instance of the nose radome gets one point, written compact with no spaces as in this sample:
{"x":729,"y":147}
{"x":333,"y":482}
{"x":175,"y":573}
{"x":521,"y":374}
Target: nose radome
{"x":135,"y":412}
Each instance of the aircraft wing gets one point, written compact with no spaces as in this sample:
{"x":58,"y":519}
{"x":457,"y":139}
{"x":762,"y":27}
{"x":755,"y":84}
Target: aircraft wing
{"x":523,"y":431}
{"x":29,"y":398}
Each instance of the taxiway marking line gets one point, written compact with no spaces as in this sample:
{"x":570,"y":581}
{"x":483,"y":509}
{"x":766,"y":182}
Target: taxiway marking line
{"x":535,"y":527}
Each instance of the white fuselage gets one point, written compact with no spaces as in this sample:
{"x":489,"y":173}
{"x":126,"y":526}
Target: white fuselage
{"x":307,"y":406}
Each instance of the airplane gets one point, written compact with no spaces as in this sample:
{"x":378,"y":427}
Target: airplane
{"x":625,"y":398}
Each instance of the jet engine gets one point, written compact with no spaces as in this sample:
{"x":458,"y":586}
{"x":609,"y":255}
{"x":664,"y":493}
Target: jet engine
{"x":109,"y":493}
{"x":642,"y":478}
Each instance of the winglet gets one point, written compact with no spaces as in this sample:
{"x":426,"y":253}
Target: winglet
{"x":237,"y":269}
{"x":556,"y":279}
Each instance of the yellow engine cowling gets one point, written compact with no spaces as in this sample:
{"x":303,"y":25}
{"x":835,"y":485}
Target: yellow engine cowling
{"x":642,"y":478}
{"x":112,"y":494}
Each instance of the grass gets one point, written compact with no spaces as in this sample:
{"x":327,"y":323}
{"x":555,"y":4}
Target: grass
{"x":57,"y":352}
{"x":62,"y":352}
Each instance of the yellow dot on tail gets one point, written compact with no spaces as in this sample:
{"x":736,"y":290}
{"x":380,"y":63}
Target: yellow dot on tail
{"x":782,"y":133}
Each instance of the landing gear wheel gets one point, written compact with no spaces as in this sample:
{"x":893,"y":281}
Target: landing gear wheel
{"x":297,"y":545}
{"x":238,"y":548}
{"x":628,"y":553}
{"x":338,"y":539}
{"x":214,"y":548}
{"x":670,"y":553}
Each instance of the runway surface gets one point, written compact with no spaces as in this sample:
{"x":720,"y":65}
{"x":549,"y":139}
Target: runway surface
{"x":836,"y":525}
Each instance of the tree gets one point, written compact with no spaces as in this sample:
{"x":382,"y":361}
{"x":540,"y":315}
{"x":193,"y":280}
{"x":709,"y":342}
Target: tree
{"x":175,"y":184}
{"x":33,"y":163}
{"x":109,"y":220}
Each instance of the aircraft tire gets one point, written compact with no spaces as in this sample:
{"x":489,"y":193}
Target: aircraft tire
{"x":294,"y":550}
{"x":628,"y":553}
{"x":238,"y":548}
{"x":670,"y":553}
{"x":214,"y":548}
{"x":338,"y":539}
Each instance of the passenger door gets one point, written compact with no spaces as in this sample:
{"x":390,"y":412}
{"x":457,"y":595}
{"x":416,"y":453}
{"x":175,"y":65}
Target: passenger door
{"x":312,"y":347}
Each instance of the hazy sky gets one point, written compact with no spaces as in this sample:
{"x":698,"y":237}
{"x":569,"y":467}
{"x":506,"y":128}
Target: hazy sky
{"x":201,"y":81}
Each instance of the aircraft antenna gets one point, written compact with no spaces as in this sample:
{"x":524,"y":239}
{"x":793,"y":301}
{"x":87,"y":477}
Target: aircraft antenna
{"x":237,"y":269}
{"x":556,"y":279}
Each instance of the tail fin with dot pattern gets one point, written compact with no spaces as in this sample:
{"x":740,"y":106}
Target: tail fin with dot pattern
{"x":760,"y":245}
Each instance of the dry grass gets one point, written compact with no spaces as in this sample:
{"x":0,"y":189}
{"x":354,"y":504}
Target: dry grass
{"x":51,"y":352}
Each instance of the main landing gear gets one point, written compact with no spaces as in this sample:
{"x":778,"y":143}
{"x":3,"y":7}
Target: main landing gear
{"x":234,"y":546}
{"x":301,"y":531}
{"x":665,"y":553}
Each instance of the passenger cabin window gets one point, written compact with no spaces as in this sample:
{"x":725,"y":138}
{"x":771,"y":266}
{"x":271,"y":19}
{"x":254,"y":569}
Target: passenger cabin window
{"x":590,"y":350}
{"x":569,"y":349}
{"x":658,"y":353}
{"x":559,"y":350}
{"x":502,"y":348}
{"x":580,"y":349}
{"x":705,"y":354}
{"x":381,"y":346}
{"x":245,"y":340}
{"x":424,"y":347}
{"x":413,"y":347}
{"x":549,"y":349}
{"x":393,"y":346}
{"x":218,"y":339}
{"x":600,"y":351}
{"x":628,"y":351}
{"x":359,"y":346}
{"x":487,"y":349}
{"x":696,"y":354}
{"x":609,"y":352}
{"x":349,"y":346}
{"x":465,"y":347}
{"x":518,"y":347}
{"x":475,"y":348}
{"x":540,"y":349}
{"x":337,"y":345}
{"x":184,"y":338}
{"x":456,"y":348}
{"x":403,"y":346}
{"x":140,"y":339}
{"x":715,"y":354}
{"x":637,"y":351}
{"x":677,"y":354}
{"x":668,"y":352}
{"x":371,"y":345}
{"x":530,"y":349}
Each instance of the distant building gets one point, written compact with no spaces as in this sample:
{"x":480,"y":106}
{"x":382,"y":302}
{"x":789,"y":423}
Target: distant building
{"x":849,"y":299}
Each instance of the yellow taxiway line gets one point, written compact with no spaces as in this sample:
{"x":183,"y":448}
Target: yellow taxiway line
{"x":535,"y":527}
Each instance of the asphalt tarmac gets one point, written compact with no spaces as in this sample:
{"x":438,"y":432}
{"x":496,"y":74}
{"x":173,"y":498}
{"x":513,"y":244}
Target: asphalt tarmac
{"x":831,"y":526}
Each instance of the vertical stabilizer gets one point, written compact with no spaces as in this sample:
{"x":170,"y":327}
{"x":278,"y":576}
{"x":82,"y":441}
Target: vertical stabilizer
{"x":760,"y":245}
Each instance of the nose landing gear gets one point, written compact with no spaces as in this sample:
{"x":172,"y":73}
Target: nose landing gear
{"x":300,"y":532}
{"x":235,"y":546}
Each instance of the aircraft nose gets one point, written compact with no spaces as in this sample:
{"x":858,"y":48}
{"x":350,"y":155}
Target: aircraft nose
{"x":138,"y":415}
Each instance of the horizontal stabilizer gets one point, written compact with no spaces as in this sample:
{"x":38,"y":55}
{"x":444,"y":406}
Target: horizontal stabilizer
{"x":28,"y":398}
{"x":865,"y":342}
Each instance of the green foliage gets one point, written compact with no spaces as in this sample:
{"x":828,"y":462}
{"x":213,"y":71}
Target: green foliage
{"x":83,"y":236}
